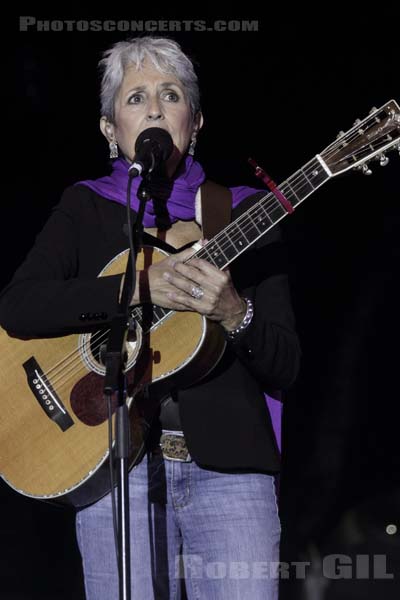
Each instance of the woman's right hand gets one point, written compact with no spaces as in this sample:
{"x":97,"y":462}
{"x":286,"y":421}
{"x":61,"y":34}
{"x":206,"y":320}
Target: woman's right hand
{"x":152,"y":284}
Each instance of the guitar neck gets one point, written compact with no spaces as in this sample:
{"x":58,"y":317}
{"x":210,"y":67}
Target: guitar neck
{"x":229,"y":243}
{"x":239,"y":235}
{"x":367,"y":139}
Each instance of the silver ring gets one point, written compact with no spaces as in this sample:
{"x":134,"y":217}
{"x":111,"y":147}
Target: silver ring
{"x":197,"y":292}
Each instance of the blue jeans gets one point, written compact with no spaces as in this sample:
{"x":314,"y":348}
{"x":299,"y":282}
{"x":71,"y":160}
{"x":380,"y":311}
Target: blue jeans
{"x":220,"y":531}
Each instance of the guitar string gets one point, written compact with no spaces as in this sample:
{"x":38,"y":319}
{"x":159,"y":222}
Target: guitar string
{"x":66,"y":374}
{"x":349,"y":137}
{"x":296,"y":176}
{"x":271,"y":201}
{"x":93,"y":345}
{"x":354,"y":132}
{"x":364,"y":125}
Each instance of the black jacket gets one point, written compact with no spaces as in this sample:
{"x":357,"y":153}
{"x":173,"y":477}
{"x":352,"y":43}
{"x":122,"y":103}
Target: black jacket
{"x":224,"y":417}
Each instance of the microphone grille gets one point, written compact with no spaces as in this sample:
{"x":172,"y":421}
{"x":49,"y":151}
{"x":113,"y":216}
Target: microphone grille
{"x":159,"y":138}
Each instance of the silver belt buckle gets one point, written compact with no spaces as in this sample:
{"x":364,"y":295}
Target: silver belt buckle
{"x":173,"y":446}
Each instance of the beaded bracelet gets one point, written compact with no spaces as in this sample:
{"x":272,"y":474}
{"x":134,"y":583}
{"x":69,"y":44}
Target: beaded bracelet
{"x":233,"y":334}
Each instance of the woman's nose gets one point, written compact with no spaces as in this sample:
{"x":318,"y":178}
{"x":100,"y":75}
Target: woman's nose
{"x":154,"y":111}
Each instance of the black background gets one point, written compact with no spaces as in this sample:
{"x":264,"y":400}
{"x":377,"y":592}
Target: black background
{"x":279,"y":95}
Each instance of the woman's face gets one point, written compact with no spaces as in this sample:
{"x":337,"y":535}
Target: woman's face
{"x":150,"y":98}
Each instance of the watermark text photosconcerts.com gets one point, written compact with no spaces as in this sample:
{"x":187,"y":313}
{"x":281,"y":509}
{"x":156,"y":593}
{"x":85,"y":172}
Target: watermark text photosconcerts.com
{"x":29,"y":23}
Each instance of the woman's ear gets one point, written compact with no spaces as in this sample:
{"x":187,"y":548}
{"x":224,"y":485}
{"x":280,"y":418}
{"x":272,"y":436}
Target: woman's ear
{"x":107,"y":129}
{"x":198,"y":122}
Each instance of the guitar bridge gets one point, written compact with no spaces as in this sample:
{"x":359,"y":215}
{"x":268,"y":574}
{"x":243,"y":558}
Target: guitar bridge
{"x":46,"y":395}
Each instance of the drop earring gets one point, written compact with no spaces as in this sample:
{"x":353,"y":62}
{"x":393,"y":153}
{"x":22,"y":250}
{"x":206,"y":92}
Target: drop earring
{"x":192,"y":146}
{"x":113,"y":150}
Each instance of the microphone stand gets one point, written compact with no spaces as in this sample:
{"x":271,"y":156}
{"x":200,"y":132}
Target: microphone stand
{"x":114,"y":358}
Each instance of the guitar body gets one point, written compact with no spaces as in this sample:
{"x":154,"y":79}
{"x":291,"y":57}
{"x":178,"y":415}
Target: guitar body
{"x":53,"y":427}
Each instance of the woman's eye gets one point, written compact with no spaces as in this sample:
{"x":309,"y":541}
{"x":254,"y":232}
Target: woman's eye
{"x":172,"y":96}
{"x":135,"y":99}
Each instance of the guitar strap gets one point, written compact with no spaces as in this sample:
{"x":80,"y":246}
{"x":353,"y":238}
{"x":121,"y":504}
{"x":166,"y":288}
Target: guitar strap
{"x":216,"y":208}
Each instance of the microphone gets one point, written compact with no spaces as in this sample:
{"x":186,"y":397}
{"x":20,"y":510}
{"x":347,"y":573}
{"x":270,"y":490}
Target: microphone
{"x":153,"y":147}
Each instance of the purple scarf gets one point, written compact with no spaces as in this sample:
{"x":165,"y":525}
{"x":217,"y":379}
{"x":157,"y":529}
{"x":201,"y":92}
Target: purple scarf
{"x":179,"y":201}
{"x":178,"y":196}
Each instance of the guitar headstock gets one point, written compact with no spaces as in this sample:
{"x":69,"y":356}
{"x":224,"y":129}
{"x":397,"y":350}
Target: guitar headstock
{"x":369,"y":138}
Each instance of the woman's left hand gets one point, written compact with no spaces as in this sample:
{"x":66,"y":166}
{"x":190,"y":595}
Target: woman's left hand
{"x":216,"y":298}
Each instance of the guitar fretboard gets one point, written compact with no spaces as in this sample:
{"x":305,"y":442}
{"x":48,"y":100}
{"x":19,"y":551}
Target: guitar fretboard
{"x":239,"y":235}
{"x":227,"y":245}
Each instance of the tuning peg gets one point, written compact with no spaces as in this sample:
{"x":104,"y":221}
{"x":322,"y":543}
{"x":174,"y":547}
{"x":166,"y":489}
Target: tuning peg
{"x":383,"y":160}
{"x":366,"y":170}
{"x":357,"y":122}
{"x":373,"y":109}
{"x":340,"y":134}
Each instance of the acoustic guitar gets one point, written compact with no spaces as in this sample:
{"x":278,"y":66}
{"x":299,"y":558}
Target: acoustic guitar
{"x":53,"y":428}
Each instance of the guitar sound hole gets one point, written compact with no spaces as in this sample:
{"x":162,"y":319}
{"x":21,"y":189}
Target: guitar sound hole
{"x":92,"y":348}
{"x":98,"y":348}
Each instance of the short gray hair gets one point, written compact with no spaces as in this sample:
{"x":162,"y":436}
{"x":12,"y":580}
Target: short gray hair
{"x":165,"y":54}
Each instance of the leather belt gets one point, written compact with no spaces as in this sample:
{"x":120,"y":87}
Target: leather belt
{"x":173,"y":447}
